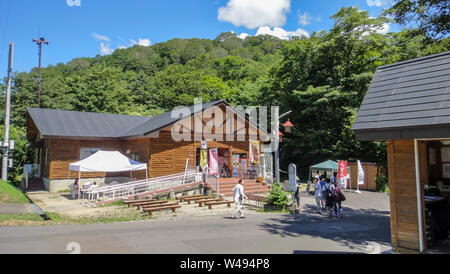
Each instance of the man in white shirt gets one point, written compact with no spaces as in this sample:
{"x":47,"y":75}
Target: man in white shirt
{"x":318,"y":193}
{"x":238,"y":197}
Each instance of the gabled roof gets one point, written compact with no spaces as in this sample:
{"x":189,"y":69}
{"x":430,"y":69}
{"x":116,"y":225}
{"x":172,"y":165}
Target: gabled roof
{"x":62,"y":123}
{"x":407,"y":100}
{"x":75,"y":124}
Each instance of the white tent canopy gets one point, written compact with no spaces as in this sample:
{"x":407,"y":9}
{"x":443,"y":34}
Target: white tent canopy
{"x":107,"y":161}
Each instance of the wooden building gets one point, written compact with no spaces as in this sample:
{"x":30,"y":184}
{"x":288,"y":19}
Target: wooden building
{"x":408,"y":106}
{"x":63,"y":137}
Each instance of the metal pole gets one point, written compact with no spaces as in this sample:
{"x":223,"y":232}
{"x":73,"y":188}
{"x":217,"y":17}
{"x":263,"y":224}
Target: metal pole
{"x":277,"y":144}
{"x":419,"y":194}
{"x":7,"y":115}
{"x":39,"y":43}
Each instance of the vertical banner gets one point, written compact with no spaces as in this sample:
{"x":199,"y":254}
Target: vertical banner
{"x":235,"y":161}
{"x":360,"y":173}
{"x":203,"y":160}
{"x":342,"y":174}
{"x":254,"y":152}
{"x":213,"y":162}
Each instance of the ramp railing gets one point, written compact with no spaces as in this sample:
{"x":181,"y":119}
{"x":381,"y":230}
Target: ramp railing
{"x":137,"y":187}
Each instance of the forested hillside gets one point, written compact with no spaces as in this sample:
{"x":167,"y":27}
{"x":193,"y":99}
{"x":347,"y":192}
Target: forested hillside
{"x":322,"y":78}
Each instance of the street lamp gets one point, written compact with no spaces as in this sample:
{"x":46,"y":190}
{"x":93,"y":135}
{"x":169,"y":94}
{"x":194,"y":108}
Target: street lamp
{"x":278,"y":140}
{"x":288,"y":126}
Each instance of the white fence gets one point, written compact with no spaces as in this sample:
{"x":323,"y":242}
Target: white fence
{"x":126,"y":190}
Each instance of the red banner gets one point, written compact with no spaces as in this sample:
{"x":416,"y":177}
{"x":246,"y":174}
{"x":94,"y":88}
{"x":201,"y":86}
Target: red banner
{"x":342,"y":173}
{"x":213,"y":162}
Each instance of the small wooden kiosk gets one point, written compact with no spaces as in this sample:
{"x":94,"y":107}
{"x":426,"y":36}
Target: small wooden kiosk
{"x":408,"y":106}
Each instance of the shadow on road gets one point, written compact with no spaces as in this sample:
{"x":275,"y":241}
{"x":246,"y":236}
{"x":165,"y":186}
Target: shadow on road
{"x":357,"y":228}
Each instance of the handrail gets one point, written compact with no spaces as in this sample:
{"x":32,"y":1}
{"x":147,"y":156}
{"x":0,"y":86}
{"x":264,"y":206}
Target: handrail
{"x":132,"y":188}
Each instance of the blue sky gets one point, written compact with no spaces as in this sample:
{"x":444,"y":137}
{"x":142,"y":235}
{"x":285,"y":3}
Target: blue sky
{"x":100,"y":26}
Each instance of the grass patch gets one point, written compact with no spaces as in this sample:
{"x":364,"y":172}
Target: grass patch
{"x":9,"y":194}
{"x":116,"y":203}
{"x":26,"y":219}
{"x":62,"y":219}
{"x":20,"y":217}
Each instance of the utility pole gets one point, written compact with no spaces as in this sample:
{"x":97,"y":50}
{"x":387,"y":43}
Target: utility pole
{"x":5,"y":144}
{"x":39,"y":43}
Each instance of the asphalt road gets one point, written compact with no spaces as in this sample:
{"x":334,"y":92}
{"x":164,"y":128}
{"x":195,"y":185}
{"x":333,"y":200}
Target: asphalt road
{"x":363,"y":230}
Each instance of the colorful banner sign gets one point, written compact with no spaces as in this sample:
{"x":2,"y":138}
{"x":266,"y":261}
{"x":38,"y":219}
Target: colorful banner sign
{"x":203,"y":160}
{"x":342,"y":172}
{"x":254,"y":152}
{"x":235,"y":161}
{"x":213,"y":162}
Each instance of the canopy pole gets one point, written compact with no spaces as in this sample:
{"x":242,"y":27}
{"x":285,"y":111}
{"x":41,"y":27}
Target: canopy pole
{"x":79,"y":184}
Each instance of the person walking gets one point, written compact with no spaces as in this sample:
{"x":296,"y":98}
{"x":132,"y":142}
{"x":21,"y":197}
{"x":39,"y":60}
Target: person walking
{"x":297,"y":195}
{"x":330,"y":197}
{"x":238,"y":197}
{"x":339,"y":198}
{"x":318,"y":194}
{"x":323,"y":183}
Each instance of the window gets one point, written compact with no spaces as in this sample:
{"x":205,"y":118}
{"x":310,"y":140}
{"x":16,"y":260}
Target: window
{"x":85,"y":152}
{"x":135,"y":157}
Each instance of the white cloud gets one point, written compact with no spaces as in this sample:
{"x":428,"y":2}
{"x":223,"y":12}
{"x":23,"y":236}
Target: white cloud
{"x":386,"y":28}
{"x":243,"y":35}
{"x":101,"y":37}
{"x":378,"y":3}
{"x":105,"y":49}
{"x":304,"y":19}
{"x":255,"y":13}
{"x":281,"y":33}
{"x":144,"y":42}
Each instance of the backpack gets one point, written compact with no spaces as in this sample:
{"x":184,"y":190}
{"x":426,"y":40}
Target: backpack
{"x":329,"y":194}
{"x":339,"y":195}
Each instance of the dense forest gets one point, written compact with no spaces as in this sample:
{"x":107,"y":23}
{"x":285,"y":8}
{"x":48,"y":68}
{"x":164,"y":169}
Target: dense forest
{"x":322,"y":78}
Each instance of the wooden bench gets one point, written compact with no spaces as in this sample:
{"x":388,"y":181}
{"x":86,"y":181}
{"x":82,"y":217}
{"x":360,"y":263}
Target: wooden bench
{"x":139,"y":206}
{"x":158,"y":205}
{"x":172,"y":207}
{"x":130,"y":202}
{"x":210,"y":204}
{"x":195,"y":199}
{"x":202,"y":202}
{"x":182,"y":198}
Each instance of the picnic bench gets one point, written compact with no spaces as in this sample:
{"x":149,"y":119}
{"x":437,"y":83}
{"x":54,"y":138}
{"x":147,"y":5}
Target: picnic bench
{"x":210,"y":204}
{"x":202,"y":202}
{"x":182,"y":198}
{"x":165,"y":207}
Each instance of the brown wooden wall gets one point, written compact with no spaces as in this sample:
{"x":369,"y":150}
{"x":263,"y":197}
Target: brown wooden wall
{"x":403,"y":194}
{"x":63,"y":152}
{"x":370,"y":172}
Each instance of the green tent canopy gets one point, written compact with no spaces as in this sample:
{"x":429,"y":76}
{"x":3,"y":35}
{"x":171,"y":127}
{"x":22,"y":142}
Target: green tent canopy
{"x":329,"y":165}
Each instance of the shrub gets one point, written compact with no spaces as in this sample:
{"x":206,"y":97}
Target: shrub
{"x":278,"y":197}
{"x":382,"y":183}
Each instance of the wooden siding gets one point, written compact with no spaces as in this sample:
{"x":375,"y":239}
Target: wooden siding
{"x":370,"y":171}
{"x":64,"y":152}
{"x":403,"y":194}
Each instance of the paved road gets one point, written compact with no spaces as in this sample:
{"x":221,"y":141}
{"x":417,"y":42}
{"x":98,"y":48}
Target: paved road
{"x":257,"y":233}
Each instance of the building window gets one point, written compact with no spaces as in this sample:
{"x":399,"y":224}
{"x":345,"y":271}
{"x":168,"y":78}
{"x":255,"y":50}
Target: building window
{"x":135,"y":157}
{"x":85,"y":152}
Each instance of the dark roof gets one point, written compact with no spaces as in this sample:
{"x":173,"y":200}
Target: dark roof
{"x":407,"y":100}
{"x":76,"y":124}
